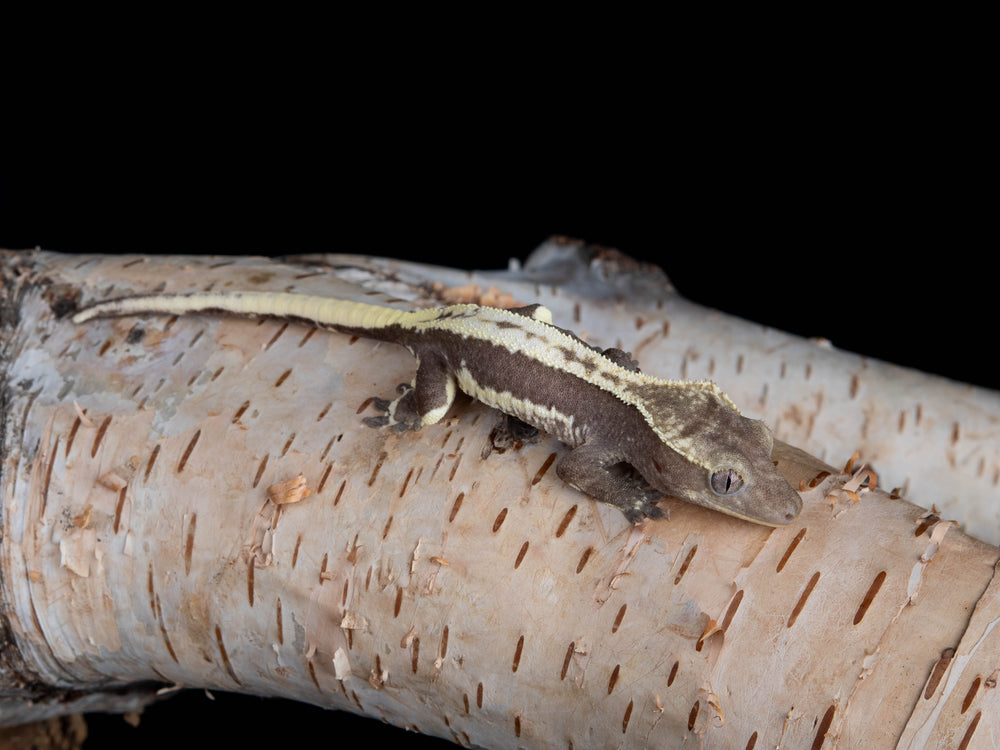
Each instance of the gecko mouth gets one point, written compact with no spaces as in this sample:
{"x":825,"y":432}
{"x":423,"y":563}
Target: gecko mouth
{"x":775,"y":519}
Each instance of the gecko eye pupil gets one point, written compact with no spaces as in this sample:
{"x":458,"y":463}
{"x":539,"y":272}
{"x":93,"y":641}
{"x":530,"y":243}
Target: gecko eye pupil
{"x":726,"y":482}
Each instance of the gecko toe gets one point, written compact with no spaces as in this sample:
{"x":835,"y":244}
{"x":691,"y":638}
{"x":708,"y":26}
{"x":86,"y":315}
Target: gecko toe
{"x":655,"y":513}
{"x":381,"y":404}
{"x":634,"y":515}
{"x":644,"y":508}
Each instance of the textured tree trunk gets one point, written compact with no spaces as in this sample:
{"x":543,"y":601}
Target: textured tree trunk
{"x":196,"y":502}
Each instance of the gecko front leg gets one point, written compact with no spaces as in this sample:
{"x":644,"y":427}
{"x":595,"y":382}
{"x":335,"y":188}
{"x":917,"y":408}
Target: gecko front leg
{"x":600,"y":472}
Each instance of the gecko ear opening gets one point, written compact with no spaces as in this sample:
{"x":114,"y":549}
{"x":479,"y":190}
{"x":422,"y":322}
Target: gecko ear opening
{"x":726,"y":482}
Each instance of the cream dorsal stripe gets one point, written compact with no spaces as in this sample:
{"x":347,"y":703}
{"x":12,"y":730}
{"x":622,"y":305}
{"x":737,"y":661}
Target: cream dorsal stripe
{"x":685,"y":438}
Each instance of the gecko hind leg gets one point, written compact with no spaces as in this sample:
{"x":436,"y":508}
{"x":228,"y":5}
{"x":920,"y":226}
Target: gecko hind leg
{"x":422,"y":402}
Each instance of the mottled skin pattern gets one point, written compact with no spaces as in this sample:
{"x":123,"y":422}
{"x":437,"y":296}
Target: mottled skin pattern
{"x":634,"y":438}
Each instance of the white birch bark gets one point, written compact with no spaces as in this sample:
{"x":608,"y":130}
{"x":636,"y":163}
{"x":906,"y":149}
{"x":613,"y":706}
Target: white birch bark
{"x":465,"y":595}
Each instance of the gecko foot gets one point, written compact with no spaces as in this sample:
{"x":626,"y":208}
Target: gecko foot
{"x":643,"y":510}
{"x":622,"y":358}
{"x":635,"y":498}
{"x":400,"y":415}
{"x":509,"y":433}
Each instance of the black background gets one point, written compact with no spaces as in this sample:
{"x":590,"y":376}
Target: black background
{"x":823,"y":192}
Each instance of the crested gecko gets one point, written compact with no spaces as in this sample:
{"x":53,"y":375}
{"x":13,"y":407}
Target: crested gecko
{"x":633,"y":437}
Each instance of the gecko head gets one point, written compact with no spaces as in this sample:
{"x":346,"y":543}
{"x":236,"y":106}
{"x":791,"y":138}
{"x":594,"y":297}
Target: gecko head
{"x":741,"y":479}
{"x":723,"y":461}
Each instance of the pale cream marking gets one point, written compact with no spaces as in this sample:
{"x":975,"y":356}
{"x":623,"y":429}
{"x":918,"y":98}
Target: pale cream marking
{"x":546,"y":418}
{"x":434,"y":415}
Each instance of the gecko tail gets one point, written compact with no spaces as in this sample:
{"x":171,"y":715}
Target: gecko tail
{"x":319,"y":311}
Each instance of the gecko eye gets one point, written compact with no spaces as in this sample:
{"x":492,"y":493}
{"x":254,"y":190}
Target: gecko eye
{"x":726,"y":482}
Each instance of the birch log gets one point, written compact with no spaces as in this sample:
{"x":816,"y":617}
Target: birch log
{"x":195,"y":502}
